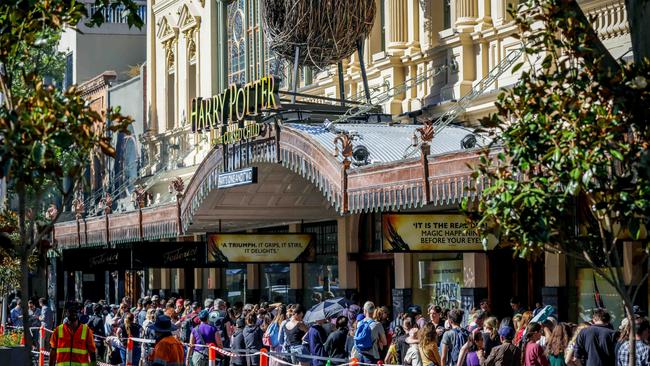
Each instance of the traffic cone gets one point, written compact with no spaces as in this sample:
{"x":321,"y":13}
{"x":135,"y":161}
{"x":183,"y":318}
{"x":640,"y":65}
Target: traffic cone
{"x":129,"y":352}
{"x":212,"y":355}
{"x":264,"y":357}
{"x":41,"y":346}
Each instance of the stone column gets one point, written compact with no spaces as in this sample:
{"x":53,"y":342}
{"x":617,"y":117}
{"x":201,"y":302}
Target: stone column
{"x":253,"y":283}
{"x":403,"y":291}
{"x":348,"y":234}
{"x":165,"y":282}
{"x":466,"y":13}
{"x":413,"y":25}
{"x":199,"y":285}
{"x":485,"y":14}
{"x":396,"y":22}
{"x":475,"y":280}
{"x":554,"y":292}
{"x":154,"y":281}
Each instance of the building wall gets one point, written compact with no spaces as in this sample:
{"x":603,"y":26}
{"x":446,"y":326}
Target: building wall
{"x":111,"y":46}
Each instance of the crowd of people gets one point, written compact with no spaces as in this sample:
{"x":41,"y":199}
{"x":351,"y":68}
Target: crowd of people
{"x":176,"y":333}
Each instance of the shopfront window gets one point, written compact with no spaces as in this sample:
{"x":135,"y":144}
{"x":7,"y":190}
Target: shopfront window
{"x":437,"y":279}
{"x":321,"y":278}
{"x":275,"y":276}
{"x":275,"y":282}
{"x":595,"y":292}
{"x":236,"y":283}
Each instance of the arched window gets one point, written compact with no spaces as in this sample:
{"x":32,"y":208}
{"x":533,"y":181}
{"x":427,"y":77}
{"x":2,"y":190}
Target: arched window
{"x":236,"y":42}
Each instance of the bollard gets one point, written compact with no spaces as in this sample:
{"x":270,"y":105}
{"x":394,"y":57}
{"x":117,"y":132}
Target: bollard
{"x":41,"y":346}
{"x":212,"y":355}
{"x":129,"y":352}
{"x":354,"y":362}
{"x":264,"y":357}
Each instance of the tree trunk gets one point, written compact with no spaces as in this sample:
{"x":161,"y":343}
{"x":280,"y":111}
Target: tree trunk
{"x":638,"y":13}
{"x":632,"y":337}
{"x":24,"y":268}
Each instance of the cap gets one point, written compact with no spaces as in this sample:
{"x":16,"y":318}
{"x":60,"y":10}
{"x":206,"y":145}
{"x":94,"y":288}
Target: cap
{"x":360,"y":317}
{"x":507,"y":332}
{"x":203,"y":315}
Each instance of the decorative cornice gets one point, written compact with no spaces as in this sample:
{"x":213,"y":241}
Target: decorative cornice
{"x":187,"y":20}
{"x":166,"y":31}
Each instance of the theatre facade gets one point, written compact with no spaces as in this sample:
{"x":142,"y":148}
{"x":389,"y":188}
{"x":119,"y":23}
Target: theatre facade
{"x":252,"y":191}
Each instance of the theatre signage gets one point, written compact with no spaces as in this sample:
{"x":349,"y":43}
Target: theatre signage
{"x":96,"y":259}
{"x":168,"y":254}
{"x":261,"y":248}
{"x":237,"y":178}
{"x":425,"y":233}
{"x":229,"y":116}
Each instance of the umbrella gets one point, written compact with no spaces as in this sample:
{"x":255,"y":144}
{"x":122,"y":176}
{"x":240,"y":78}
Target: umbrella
{"x":540,"y":317}
{"x":324,"y":310}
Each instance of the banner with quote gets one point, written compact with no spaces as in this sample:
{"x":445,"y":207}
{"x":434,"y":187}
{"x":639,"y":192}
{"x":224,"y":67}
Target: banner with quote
{"x":261,"y":248}
{"x":443,"y":279}
{"x":429,"y":233}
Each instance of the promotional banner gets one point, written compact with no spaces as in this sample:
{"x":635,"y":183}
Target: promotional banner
{"x":261,"y":248}
{"x":444,"y":280}
{"x":426,"y":233}
{"x":100,"y":259}
{"x":168,"y":255}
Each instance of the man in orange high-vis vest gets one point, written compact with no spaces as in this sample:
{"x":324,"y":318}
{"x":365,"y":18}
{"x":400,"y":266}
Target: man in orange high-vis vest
{"x":72,"y":342}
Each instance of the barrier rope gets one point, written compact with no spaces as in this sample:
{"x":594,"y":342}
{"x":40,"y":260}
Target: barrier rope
{"x":212,"y":350}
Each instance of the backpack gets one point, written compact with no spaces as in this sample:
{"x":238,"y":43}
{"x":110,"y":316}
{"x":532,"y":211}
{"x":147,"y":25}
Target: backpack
{"x":363,"y":335}
{"x":459,"y":341}
{"x":186,"y":329}
{"x":272,"y":335}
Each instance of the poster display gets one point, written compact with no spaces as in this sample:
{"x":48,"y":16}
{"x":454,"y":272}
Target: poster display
{"x":443,"y":280}
{"x":261,"y":248}
{"x":424,"y":233}
{"x":594,"y":292}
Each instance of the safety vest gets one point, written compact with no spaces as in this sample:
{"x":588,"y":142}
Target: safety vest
{"x":72,"y":349}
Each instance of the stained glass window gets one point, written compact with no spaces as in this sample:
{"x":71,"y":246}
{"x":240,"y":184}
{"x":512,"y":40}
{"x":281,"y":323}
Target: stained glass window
{"x":248,"y":46}
{"x":236,"y":43}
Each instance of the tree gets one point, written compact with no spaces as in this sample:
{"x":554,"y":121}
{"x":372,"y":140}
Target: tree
{"x":570,"y":169}
{"x":47,"y":135}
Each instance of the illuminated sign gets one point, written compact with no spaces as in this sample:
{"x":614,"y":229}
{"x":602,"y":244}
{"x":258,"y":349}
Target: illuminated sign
{"x":423,"y":233}
{"x":237,"y":178}
{"x":225,"y":115}
{"x":261,"y":248}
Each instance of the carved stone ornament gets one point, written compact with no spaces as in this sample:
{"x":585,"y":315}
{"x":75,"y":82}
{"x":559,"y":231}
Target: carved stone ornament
{"x":346,"y":147}
{"x":426,"y":132}
{"x":140,"y":196}
{"x":177,"y":185}
{"x":78,"y":205}
{"x":106,"y":203}
{"x":51,"y":212}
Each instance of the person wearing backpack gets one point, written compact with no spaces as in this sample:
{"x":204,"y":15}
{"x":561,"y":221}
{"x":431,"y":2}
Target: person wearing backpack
{"x":202,"y":335}
{"x":453,"y":340}
{"x":96,"y":324}
{"x":272,"y":336}
{"x":369,"y":337}
{"x":188,"y":322}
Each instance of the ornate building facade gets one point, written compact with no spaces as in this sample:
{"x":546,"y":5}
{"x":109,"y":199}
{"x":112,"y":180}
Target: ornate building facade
{"x":421,"y":58}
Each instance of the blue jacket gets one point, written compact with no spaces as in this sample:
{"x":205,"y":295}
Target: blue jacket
{"x":317,"y":337}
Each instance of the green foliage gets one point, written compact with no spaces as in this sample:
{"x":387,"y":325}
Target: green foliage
{"x":574,"y":137}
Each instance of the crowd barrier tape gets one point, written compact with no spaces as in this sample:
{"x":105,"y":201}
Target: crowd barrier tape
{"x":264,"y":354}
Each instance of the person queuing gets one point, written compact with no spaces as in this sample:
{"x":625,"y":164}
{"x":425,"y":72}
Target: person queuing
{"x":72,"y":343}
{"x":445,"y":337}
